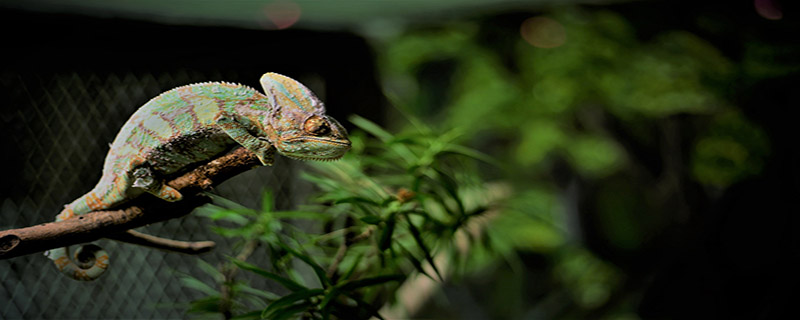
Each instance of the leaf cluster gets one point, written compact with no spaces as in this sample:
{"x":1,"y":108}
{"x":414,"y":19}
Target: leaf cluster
{"x":386,"y":211}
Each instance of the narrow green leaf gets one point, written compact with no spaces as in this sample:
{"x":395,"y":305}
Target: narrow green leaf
{"x":288,"y":312}
{"x":332,"y":294}
{"x":287,"y":283}
{"x":387,"y":201}
{"x":210,"y":270}
{"x":451,"y":186}
{"x":421,"y":213}
{"x":477,"y":211}
{"x":266,"y":201}
{"x":288,"y":300}
{"x":371,"y":128}
{"x":207,"y":209}
{"x":366,"y":282}
{"x":371,"y":219}
{"x":223,"y":202}
{"x":198,"y":285}
{"x":205,"y":305}
{"x":418,"y":238}
{"x":416,"y":263}
{"x":318,"y":270}
{"x":270,"y":296}
{"x":356,"y":200}
{"x":231,"y":233}
{"x":410,"y":140}
{"x":320,"y":181}
{"x":218,"y":213}
{"x":250,"y":300}
{"x":353,"y":267}
{"x":367,"y":210}
{"x":472,"y":153}
{"x":386,"y":237}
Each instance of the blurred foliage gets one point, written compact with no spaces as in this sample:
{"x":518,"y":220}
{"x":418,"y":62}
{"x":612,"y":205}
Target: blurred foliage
{"x":553,"y":101}
{"x":730,"y":150}
{"x":585,"y":123}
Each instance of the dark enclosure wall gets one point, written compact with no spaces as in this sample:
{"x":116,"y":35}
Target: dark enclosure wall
{"x":70,"y":82}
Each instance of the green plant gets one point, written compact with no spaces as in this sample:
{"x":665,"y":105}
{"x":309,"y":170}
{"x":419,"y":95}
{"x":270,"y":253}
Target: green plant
{"x":387,"y":210}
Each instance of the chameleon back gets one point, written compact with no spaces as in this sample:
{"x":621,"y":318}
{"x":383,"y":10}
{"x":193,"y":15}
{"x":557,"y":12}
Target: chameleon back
{"x":177,"y":128}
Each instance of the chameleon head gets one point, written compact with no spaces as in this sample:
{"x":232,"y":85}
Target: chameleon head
{"x":300,"y":127}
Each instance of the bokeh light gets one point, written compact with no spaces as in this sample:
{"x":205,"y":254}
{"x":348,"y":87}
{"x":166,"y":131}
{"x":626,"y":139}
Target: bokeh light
{"x":543,"y":32}
{"x":768,"y":9}
{"x":282,"y":13}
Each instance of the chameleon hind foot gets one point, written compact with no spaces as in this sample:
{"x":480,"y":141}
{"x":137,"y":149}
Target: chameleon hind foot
{"x":168,"y":193}
{"x":143,"y":178}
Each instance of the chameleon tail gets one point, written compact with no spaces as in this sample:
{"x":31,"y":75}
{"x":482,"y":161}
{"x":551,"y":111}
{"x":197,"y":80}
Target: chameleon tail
{"x":90,"y":261}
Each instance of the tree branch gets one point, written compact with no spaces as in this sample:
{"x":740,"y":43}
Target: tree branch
{"x":141,"y":211}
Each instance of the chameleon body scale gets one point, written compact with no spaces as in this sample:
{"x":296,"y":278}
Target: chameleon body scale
{"x":193,"y":124}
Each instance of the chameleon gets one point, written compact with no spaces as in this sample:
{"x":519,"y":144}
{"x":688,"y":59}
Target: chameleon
{"x":195,"y":123}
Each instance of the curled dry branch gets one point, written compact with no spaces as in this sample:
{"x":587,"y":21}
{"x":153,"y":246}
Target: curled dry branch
{"x":116,"y":224}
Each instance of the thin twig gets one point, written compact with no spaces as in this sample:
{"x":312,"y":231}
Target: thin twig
{"x":188,"y":247}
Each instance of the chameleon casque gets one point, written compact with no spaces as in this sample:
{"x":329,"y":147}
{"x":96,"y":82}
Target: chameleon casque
{"x":193,"y":124}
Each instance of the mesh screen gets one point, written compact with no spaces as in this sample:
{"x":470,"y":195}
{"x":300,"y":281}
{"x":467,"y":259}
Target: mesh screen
{"x":57,"y":128}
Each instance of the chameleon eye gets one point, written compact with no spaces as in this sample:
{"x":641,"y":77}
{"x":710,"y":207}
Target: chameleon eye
{"x":316,"y":125}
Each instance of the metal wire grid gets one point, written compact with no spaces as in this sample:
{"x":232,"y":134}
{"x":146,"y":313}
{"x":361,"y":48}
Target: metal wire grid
{"x":56,"y":130}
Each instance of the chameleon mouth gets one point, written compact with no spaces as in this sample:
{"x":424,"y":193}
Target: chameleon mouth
{"x":344,"y":143}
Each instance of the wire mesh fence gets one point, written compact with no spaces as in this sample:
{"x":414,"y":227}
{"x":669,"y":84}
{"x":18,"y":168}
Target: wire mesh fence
{"x":57,"y":128}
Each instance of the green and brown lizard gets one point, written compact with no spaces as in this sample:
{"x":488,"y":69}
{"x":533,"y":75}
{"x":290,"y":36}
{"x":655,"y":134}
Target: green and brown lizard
{"x":193,"y":124}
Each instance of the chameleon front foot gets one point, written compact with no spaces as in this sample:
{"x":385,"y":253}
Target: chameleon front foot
{"x":260,"y":146}
{"x":144,"y":179}
{"x":265,"y":153}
